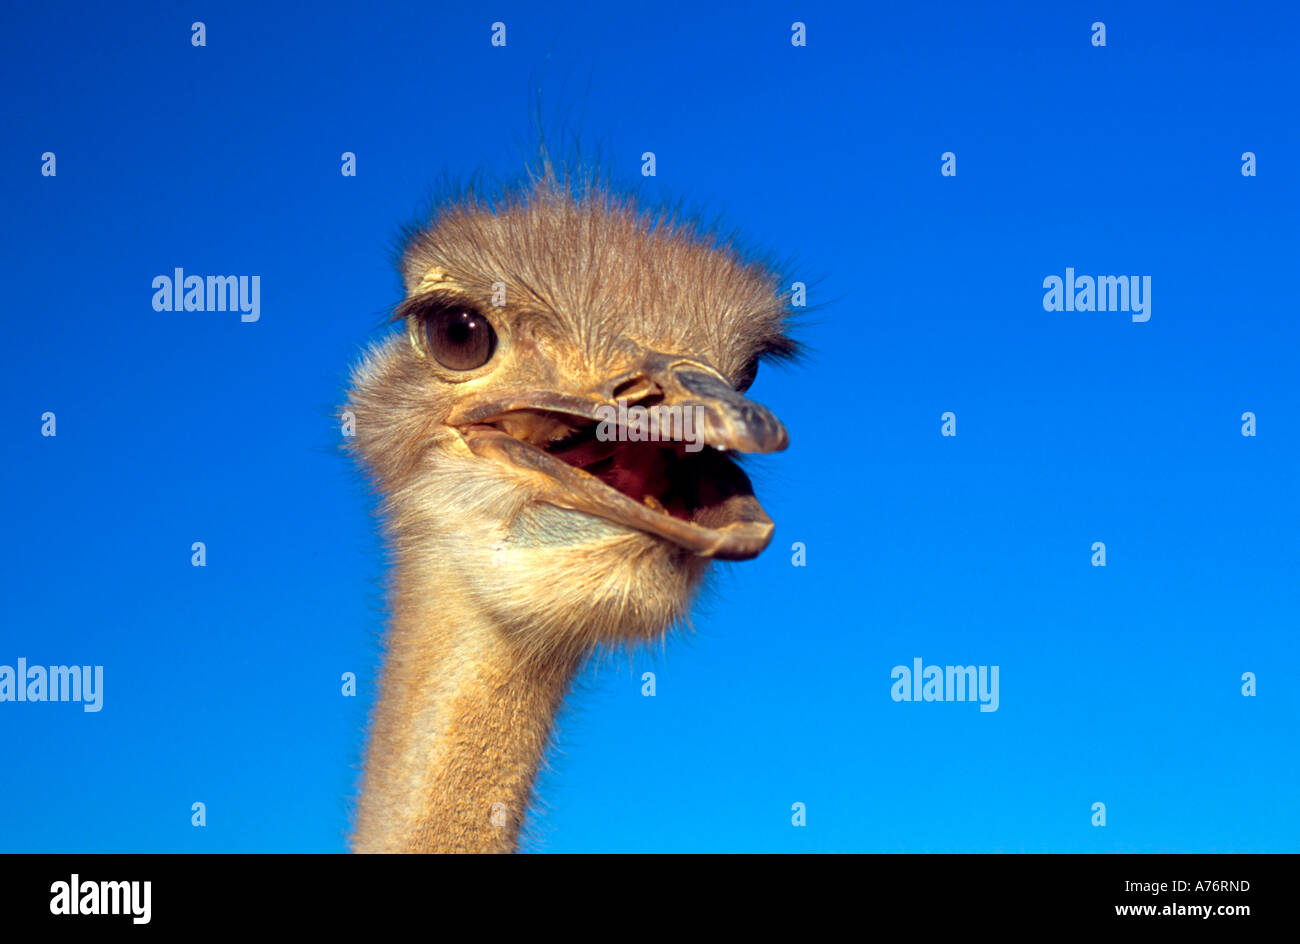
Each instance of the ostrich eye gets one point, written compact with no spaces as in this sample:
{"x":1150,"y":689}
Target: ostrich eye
{"x":459,"y":338}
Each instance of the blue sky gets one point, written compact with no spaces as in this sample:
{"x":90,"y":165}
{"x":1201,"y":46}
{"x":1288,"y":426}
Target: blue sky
{"x":1119,"y":685}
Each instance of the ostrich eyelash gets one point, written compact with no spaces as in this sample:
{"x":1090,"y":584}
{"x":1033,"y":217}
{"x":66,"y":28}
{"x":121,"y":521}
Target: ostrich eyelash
{"x":780,"y":348}
{"x":421,"y":306}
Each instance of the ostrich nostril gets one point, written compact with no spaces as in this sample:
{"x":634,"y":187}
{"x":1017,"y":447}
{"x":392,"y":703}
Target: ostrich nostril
{"x":638,"y":391}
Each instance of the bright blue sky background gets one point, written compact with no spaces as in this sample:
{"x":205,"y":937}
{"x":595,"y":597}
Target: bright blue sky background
{"x":1119,"y":685}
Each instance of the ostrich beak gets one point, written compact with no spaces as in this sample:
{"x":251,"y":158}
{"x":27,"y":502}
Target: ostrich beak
{"x":730,"y":420}
{"x":657,"y":464}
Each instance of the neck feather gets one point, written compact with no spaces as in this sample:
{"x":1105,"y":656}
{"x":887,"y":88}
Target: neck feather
{"x":460,"y":729}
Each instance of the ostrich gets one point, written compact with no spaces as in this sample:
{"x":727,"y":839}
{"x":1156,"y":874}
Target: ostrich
{"x":524,"y":533}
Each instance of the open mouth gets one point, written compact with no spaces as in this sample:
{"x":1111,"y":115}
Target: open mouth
{"x":687,"y":492}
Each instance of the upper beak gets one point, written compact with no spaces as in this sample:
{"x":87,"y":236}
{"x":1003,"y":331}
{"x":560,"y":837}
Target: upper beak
{"x":724,"y":519}
{"x":730,"y":420}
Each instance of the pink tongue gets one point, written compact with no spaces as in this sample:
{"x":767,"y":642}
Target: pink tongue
{"x":586,"y":452}
{"x":638,"y":472}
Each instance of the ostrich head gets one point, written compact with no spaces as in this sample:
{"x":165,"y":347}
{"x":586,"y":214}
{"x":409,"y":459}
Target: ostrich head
{"x":486,"y":425}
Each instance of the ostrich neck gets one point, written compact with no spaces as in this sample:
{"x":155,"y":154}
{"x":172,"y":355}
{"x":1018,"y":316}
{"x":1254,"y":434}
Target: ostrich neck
{"x":460,"y":729}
